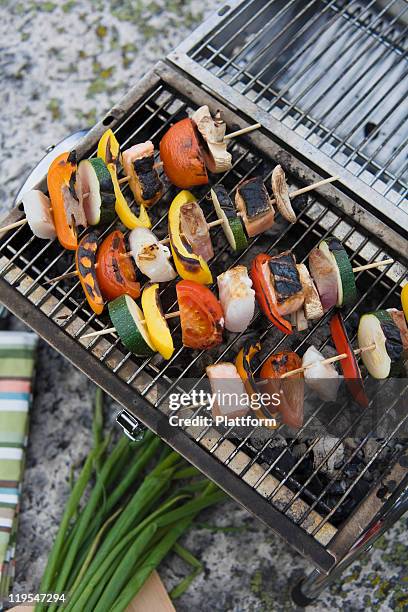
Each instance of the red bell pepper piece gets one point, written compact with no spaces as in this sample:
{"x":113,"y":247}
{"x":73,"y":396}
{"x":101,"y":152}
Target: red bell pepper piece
{"x":349,"y":365}
{"x":265,"y":293}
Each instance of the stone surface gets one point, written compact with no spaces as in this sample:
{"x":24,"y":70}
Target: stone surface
{"x":62,"y":65}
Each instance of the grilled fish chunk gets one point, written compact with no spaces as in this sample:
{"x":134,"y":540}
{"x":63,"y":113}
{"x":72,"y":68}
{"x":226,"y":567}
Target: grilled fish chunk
{"x":144,"y":181}
{"x":253,"y":202}
{"x":286,"y":282}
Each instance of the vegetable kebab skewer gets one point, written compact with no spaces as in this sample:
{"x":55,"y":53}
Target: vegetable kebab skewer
{"x":282,"y":287}
{"x":141,"y":173}
{"x":227,"y":216}
{"x":186,"y":206}
{"x":387,"y":331}
{"x":286,"y":289}
{"x":145,"y":331}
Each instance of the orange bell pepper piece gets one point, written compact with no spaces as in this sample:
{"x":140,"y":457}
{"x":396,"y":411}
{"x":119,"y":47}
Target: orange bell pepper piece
{"x":66,"y":203}
{"x":85,"y":261}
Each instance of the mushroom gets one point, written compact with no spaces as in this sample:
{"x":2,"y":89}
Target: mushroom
{"x":212,"y":131}
{"x":281,"y":193}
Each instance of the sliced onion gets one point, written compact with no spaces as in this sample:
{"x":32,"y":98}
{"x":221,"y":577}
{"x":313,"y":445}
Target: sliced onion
{"x":323,"y":379}
{"x":37,"y":208}
{"x":324,"y":275}
{"x":379,"y":328}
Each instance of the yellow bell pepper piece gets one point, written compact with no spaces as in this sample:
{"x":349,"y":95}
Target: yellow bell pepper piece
{"x":156,"y":323}
{"x":188,"y":265}
{"x":109,"y":149}
{"x":404,"y":300}
{"x":128,"y":218}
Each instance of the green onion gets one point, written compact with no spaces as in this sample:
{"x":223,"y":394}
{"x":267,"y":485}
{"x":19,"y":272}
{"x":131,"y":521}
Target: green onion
{"x":186,"y":555}
{"x":70,"y":510}
{"x":108,"y":543}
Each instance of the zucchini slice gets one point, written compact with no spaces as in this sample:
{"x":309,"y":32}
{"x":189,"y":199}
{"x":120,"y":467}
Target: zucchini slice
{"x":379,"y":328}
{"x":346,"y":283}
{"x":232,"y":224}
{"x":127,"y":318}
{"x":96,"y":181}
{"x":156,"y":323}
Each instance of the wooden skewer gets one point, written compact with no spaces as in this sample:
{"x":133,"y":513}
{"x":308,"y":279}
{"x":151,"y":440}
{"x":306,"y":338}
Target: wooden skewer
{"x":375,"y":264}
{"x":62,"y":276}
{"x":6,"y":228}
{"x":298,"y":192}
{"x":125,"y":255}
{"x":358,"y":351}
{"x":112,"y":330}
{"x":246,"y":130}
{"x":218,"y":221}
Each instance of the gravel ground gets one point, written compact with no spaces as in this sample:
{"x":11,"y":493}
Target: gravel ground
{"x":62,"y":66}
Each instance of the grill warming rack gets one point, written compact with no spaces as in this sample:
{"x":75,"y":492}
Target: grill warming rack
{"x":328,"y":77}
{"x":320,"y":530}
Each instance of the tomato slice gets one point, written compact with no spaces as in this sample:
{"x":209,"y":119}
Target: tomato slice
{"x":201,"y":315}
{"x":265,"y":293}
{"x":349,"y":366}
{"x":115,"y":273}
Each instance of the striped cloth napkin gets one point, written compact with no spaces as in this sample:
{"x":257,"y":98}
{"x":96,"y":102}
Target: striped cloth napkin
{"x":17,"y":357}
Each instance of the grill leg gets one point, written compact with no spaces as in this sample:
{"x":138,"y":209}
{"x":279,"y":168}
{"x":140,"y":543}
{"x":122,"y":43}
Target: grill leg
{"x":308,"y":589}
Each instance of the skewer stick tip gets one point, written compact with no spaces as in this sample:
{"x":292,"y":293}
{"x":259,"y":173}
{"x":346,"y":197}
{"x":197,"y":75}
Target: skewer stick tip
{"x":374,"y":264}
{"x":11,"y":226}
{"x":245,"y":130}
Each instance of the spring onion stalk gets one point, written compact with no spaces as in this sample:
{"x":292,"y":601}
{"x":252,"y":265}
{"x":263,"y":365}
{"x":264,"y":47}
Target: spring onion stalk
{"x":186,"y":555}
{"x":134,"y":468}
{"x":153,"y":486}
{"x":126,"y":463}
{"x":103,"y":573}
{"x":104,"y":552}
{"x":187,"y":472}
{"x":167,"y":524}
{"x":86,"y":518}
{"x":91,"y":552}
{"x":70,"y":510}
{"x":133,"y":471}
{"x":124,"y":569}
{"x":150,"y":564}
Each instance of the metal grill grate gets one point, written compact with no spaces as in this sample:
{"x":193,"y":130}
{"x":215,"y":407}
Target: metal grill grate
{"x":333,"y":71}
{"x":305,"y":497}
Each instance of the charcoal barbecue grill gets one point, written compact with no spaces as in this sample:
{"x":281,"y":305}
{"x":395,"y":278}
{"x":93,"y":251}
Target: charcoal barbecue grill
{"x":262,"y":61}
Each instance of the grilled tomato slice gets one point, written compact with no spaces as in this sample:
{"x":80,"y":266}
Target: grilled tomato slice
{"x":201,"y":315}
{"x":114,"y":271}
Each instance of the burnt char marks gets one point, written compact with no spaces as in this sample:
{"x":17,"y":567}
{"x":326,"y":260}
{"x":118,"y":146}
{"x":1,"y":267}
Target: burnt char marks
{"x":225,"y":201}
{"x":148,"y":177}
{"x":86,"y":257}
{"x":116,"y":271}
{"x":255,"y":196}
{"x":285,"y":276}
